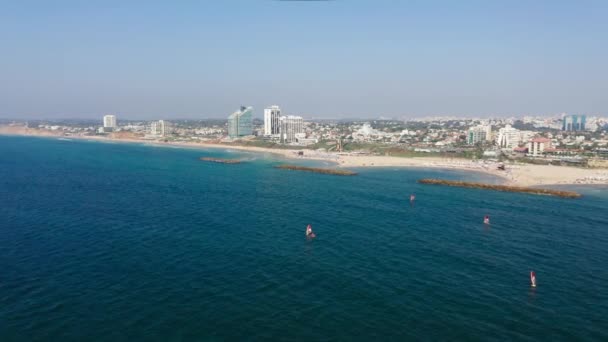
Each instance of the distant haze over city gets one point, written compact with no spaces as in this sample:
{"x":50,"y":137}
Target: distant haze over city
{"x":317,"y":59}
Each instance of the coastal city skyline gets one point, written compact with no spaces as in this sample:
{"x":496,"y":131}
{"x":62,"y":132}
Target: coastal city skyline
{"x":303,"y":170}
{"x":575,"y":139}
{"x":330,"y":59}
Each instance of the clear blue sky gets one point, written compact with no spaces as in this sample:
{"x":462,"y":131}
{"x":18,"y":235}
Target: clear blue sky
{"x":342,"y":58}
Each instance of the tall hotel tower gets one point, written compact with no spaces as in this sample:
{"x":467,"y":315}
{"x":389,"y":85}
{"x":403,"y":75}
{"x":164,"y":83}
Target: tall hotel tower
{"x":271,"y":121}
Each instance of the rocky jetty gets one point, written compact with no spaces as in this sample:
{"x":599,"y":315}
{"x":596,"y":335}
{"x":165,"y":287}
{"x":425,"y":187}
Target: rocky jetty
{"x":336,"y":172}
{"x":220,"y":161}
{"x":535,"y":191}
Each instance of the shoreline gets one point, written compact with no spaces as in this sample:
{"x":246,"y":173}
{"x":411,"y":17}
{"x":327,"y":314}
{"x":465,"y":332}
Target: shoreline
{"x":515,"y":174}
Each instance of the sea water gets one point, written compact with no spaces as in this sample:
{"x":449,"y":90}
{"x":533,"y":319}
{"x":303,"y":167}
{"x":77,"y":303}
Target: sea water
{"x":123,"y":242}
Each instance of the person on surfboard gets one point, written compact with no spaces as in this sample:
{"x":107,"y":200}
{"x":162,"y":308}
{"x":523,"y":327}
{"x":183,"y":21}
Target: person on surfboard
{"x":309,"y":232}
{"x":533,"y":278}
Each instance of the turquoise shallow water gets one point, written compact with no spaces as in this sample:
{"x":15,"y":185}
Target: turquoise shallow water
{"x":119,"y":242}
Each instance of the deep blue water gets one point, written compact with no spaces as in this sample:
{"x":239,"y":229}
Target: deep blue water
{"x":122,"y":242}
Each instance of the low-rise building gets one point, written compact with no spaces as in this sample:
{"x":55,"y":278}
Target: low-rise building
{"x":538,"y":146}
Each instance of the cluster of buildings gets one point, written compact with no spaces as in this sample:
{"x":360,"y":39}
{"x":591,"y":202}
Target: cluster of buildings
{"x":286,"y":129}
{"x":160,"y":128}
{"x":529,"y":142}
{"x":512,"y":138}
{"x":565,"y":136}
{"x":535,"y":144}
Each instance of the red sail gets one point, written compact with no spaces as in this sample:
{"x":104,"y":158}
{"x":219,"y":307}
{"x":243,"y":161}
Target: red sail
{"x":533,"y":278}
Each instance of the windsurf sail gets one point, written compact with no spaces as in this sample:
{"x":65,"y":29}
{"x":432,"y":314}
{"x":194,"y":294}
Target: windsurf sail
{"x":533,"y":278}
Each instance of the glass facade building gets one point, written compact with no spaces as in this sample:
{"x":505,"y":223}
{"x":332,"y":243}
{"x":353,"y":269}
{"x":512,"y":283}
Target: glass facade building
{"x":240,"y":123}
{"x":574,"y":123}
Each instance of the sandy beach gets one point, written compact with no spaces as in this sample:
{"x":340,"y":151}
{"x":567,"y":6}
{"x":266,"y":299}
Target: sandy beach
{"x":515,"y":174}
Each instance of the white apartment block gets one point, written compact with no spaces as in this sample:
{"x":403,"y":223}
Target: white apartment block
{"x":509,"y":137}
{"x":160,"y":128}
{"x":109,"y":121}
{"x":478,"y":134}
{"x":538,"y":145}
{"x":290,"y":126}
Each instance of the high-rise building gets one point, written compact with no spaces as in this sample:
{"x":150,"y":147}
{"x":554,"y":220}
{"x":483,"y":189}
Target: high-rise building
{"x":271,"y":120}
{"x":290,"y":126}
{"x":109,"y":121}
{"x":574,"y":123}
{"x":478,"y":134}
{"x":160,"y":127}
{"x":240,"y":123}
